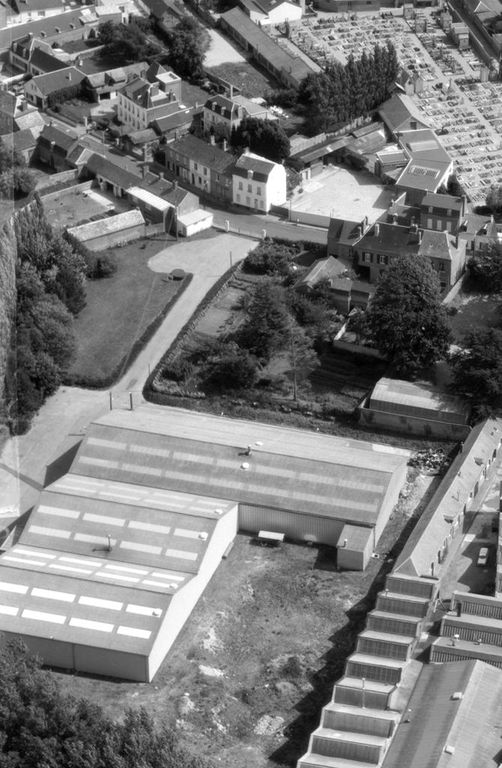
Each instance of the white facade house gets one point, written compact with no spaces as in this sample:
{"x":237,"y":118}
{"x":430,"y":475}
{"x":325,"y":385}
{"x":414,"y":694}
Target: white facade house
{"x":142,"y":102}
{"x":258,"y":183}
{"x":271,"y":12}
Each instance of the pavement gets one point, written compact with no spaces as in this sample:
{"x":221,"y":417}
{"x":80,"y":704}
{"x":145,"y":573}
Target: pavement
{"x":63,"y":419}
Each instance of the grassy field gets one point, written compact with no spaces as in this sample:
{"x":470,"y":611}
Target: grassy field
{"x":246,"y":679}
{"x":119,"y":309}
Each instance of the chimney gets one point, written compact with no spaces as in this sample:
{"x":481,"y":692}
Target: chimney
{"x":224,"y":145}
{"x":80,"y":61}
{"x":250,"y":174}
{"x":419,"y":236}
{"x":394,"y":218}
{"x":359,"y":232}
{"x":212,"y":140}
{"x":68,"y":76}
{"x":377,"y":229}
{"x":464,"y":205}
{"x":175,"y":184}
{"x":214,"y":106}
{"x":231,"y":90}
{"x":143,"y":171}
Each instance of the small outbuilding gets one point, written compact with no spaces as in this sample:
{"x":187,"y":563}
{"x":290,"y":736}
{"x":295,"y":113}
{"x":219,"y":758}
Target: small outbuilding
{"x":354,"y":548}
{"x":113,"y":230}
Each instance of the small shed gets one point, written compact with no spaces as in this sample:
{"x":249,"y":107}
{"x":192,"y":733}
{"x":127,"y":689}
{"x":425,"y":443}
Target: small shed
{"x":354,"y":547}
{"x":113,"y":230}
{"x":195,"y":221}
{"x":151,"y":205}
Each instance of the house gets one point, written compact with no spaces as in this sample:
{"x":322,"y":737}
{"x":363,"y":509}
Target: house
{"x":115,"y":177}
{"x":54,"y":146}
{"x":141,"y":102}
{"x":105,"y":85}
{"x":480,"y":233}
{"x":258,"y":183}
{"x":229,"y":111}
{"x":110,"y":231}
{"x":429,"y":166}
{"x":400,"y":113}
{"x":204,"y":166}
{"x":23,"y":142}
{"x":442,"y":212}
{"x":76,"y":24}
{"x":343,"y":235}
{"x":139,"y":142}
{"x":321,"y":270}
{"x":31,"y":10}
{"x":175,"y":125}
{"x":11,"y":106}
{"x":46,"y":90}
{"x":35,"y":56}
{"x":169,"y":81}
{"x":272,"y":11}
{"x":32,"y":120}
{"x":288,"y":69}
{"x":383,"y":242}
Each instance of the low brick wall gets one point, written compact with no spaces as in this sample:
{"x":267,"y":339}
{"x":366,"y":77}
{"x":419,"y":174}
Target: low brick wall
{"x":411,"y":425}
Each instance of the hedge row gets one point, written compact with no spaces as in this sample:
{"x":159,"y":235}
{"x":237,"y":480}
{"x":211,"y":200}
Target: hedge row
{"x":152,"y":383}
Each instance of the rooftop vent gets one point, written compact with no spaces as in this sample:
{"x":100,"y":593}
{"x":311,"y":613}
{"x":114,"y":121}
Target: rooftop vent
{"x":245,"y":465}
{"x":449,"y":749}
{"x":203,"y":535}
{"x":218,"y":511}
{"x":457,"y":695}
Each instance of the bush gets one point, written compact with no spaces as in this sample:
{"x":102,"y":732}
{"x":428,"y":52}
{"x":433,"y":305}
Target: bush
{"x":99,"y":265}
{"x":269,"y":258}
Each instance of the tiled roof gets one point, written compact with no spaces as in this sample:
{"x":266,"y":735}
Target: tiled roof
{"x":108,"y":225}
{"x":201,"y":152}
{"x":322,"y":269}
{"x":444,"y":202}
{"x":59,"y":80}
{"x":45,"y":62}
{"x":436,"y":245}
{"x":260,"y":166}
{"x":391,"y":238}
{"x":171,"y":122}
{"x":47,"y":27}
{"x":8,"y":103}
{"x":397,"y":111}
{"x":62,"y":138}
{"x":20,"y":140}
{"x":114,"y":173}
{"x":33,"y":120}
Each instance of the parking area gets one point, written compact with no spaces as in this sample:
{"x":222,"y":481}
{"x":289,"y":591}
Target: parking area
{"x":342,"y":193}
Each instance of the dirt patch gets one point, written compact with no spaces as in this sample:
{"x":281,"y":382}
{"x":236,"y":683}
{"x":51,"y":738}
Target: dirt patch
{"x":252,"y":81}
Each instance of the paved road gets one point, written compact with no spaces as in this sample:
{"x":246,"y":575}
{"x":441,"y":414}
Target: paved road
{"x":63,"y":419}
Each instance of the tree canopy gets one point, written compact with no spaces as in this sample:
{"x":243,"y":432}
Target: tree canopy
{"x":16,"y":179}
{"x":264,"y":137}
{"x":485,"y":269}
{"x":477,"y":369}
{"x":494,"y":198}
{"x":268,"y":325}
{"x":406,"y":320}
{"x":40,"y":727}
{"x":342,"y":93}
{"x":124,"y":42}
{"x":187,"y":44}
{"x":50,"y":288}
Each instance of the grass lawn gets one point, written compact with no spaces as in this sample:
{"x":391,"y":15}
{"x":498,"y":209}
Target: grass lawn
{"x":277,"y":626}
{"x":119,"y":309}
{"x":476,"y":311}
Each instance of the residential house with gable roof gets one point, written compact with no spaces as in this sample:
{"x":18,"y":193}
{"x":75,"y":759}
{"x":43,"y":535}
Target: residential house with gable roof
{"x":400,"y":113}
{"x":45,"y":90}
{"x":30,"y":10}
{"x":54,"y":146}
{"x":76,"y":24}
{"x":203,"y":165}
{"x":258,"y":183}
{"x":442,"y":212}
{"x":272,"y":11}
{"x":383,"y":242}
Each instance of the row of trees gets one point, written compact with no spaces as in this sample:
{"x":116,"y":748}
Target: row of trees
{"x":50,"y":288}
{"x":263,"y":137}
{"x":40,"y":727}
{"x":342,"y":93}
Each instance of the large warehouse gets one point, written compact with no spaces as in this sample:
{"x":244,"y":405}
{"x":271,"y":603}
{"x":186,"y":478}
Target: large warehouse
{"x":117,"y":552}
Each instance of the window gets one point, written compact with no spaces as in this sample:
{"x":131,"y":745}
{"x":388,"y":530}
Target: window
{"x":238,"y":197}
{"x":248,"y":201}
{"x":366,"y":258}
{"x":205,"y":171}
{"x":240,"y":185}
{"x":196,"y":166}
{"x":250,"y":187}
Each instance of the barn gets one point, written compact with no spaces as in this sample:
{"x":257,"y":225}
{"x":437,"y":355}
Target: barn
{"x":110,"y":231}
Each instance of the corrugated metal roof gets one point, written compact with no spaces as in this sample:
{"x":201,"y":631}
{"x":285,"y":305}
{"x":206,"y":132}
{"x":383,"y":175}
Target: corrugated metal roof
{"x":408,"y":397}
{"x":107,"y":226}
{"x":154,"y":201}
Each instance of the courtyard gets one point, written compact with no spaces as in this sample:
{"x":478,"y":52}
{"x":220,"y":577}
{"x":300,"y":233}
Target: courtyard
{"x":343,"y":193}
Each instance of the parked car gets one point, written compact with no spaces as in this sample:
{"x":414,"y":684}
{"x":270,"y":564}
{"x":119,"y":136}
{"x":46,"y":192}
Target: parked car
{"x":483,"y":556}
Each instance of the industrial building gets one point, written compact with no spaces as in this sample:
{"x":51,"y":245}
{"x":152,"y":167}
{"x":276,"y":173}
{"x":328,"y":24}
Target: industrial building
{"x":116,"y":553}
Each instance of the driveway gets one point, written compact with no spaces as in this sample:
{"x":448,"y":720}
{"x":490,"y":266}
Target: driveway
{"x":62,"y":421}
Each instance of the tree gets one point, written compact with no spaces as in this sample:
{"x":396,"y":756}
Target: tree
{"x":406,"y":319}
{"x":494,"y":198}
{"x":303,"y":357}
{"x":477,"y":369}
{"x":40,"y":727}
{"x":229,"y":367}
{"x":125,"y":42}
{"x":264,"y":137}
{"x":270,"y":258}
{"x":485,"y":269}
{"x":267,"y":328}
{"x":187,"y":44}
